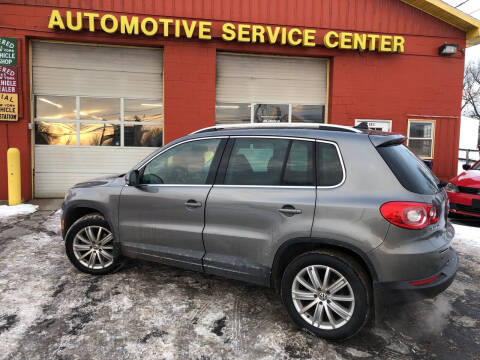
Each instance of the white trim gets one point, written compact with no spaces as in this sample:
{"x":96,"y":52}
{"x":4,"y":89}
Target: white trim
{"x":252,"y":111}
{"x":122,"y":119}
{"x":432,"y":138}
{"x":344,"y":172}
{"x":120,"y":122}
{"x":266,"y":186}
{"x":77,"y":126}
{"x":98,"y":146}
{"x":341,"y":162}
{"x":111,"y":122}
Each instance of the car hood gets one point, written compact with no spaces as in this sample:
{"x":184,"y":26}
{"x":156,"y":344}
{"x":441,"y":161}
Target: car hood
{"x":469,"y":178}
{"x":110,"y":180}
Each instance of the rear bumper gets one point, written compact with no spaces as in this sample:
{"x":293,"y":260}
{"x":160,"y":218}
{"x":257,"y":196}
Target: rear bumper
{"x":402,"y":291}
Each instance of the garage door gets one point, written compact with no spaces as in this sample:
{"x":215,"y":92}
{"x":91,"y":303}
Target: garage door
{"x":98,"y":110}
{"x":270,"y":89}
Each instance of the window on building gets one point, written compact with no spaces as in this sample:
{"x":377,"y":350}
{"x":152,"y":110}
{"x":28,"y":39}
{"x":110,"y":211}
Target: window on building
{"x":236,"y":113}
{"x":421,"y":137}
{"x":308,"y":113}
{"x":96,"y":121}
{"x":230,"y":113}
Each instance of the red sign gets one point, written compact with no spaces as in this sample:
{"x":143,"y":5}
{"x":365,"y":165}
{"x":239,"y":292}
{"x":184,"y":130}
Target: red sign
{"x":8,"y":79}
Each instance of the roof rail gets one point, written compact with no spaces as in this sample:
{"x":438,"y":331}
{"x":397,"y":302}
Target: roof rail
{"x":315,"y":126}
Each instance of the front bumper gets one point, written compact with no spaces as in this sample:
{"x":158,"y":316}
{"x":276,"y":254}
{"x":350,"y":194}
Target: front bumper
{"x":395,"y":292}
{"x":462,"y":209}
{"x":461,"y":203}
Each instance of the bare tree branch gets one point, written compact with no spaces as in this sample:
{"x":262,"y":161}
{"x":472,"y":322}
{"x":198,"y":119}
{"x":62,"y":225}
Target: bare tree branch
{"x":471,"y":91}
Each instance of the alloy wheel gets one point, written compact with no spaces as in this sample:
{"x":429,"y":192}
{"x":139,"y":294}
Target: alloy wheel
{"x":323,"y":297}
{"x":93,"y":247}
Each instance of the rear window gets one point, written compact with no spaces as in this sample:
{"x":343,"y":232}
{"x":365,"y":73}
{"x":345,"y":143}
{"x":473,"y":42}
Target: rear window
{"x":412,"y":173}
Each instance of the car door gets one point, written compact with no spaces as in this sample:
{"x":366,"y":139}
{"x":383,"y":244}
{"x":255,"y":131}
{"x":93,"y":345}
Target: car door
{"x":263,"y":196}
{"x":162,"y":218}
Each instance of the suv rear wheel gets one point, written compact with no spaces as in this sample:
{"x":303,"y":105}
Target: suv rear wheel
{"x":327,"y":294}
{"x":90,"y":245}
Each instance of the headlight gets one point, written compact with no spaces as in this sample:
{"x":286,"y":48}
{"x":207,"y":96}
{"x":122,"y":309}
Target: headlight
{"x":451,"y":188}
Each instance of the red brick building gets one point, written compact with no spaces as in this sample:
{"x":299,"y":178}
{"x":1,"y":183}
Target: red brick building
{"x":101,"y":83}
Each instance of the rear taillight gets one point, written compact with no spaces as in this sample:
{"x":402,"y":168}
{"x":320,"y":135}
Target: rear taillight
{"x":409,"y":215}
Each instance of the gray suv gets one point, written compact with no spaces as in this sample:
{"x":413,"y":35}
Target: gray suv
{"x":341,"y":222}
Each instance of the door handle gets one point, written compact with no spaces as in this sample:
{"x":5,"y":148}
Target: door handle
{"x":289,"y":210}
{"x":193,"y":204}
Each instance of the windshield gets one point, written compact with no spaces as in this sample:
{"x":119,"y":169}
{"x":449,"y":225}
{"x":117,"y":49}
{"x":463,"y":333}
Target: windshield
{"x":412,"y":172}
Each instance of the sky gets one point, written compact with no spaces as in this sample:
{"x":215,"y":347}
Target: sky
{"x":471,"y":7}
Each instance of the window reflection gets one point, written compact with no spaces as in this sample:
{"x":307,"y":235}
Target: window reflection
{"x":99,"y":109}
{"x":235,"y":113}
{"x":51,"y":133}
{"x":308,"y":113}
{"x":143,"y":135}
{"x":228,"y":113}
{"x":99,"y":135}
{"x":420,"y":138}
{"x":187,"y":163}
{"x":55,"y":107}
{"x":420,"y":130}
{"x":143,"y":110}
{"x":422,"y":148}
{"x":270,"y":113}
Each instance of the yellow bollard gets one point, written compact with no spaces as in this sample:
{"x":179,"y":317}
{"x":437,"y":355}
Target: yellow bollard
{"x":14,"y":179}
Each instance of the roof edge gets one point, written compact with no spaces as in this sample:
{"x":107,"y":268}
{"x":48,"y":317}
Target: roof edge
{"x":450,"y":15}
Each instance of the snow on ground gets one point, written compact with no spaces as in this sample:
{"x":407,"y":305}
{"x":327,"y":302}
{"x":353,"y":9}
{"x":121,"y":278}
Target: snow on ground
{"x":22,"y":209}
{"x":49,"y":310}
{"x":467,"y":235}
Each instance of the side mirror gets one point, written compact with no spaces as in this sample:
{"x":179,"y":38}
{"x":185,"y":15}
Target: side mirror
{"x":133,"y":178}
{"x":466,"y":167}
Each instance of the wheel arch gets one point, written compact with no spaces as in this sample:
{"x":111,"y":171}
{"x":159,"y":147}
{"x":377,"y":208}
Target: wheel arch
{"x":75,"y":211}
{"x":294,"y":247}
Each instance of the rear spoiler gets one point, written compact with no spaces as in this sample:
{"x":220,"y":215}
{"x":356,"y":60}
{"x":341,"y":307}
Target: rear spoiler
{"x":386,"y":140}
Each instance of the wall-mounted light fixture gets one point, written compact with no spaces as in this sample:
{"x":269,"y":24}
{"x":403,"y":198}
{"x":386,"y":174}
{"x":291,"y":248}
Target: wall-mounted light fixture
{"x":448,"y":49}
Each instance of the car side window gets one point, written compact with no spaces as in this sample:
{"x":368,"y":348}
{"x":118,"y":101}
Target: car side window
{"x":256,"y":161}
{"x":299,"y":168}
{"x":329,"y":165}
{"x":187,"y":163}
{"x":273,"y":162}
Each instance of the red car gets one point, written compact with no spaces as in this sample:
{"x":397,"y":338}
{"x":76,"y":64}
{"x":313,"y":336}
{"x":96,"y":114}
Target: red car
{"x":464,"y":191}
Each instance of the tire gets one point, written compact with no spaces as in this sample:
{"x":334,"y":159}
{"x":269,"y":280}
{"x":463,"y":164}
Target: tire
{"x":84,"y":247}
{"x":320,"y":316}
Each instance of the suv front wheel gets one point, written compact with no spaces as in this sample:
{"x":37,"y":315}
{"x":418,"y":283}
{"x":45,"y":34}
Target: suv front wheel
{"x":327,"y":294}
{"x":90,"y":245}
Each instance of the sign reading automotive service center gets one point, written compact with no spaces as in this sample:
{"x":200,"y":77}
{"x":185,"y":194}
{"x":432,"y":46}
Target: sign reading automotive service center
{"x":244,"y":33}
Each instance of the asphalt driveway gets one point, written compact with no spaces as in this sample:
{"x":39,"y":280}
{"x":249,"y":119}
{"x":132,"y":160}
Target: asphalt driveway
{"x":49,"y":310}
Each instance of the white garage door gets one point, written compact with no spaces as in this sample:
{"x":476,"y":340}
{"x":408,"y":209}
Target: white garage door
{"x":270,"y":89}
{"x":98,"y":110}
